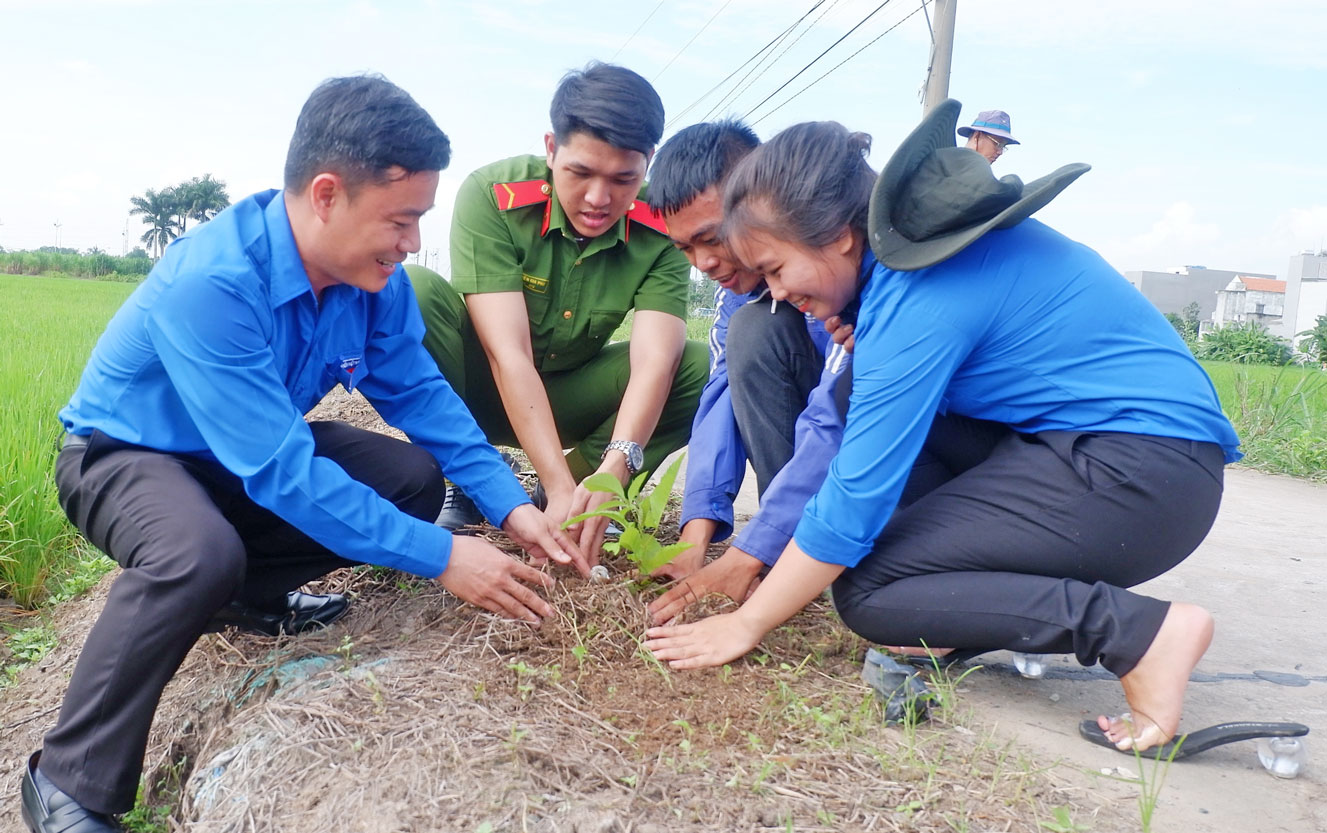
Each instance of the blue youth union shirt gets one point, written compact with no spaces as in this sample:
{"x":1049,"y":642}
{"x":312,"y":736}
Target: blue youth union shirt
{"x":224,"y":347}
{"x":1024,"y":327}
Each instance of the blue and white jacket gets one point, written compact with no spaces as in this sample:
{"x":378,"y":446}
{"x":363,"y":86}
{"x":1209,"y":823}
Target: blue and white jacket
{"x":716,"y":460}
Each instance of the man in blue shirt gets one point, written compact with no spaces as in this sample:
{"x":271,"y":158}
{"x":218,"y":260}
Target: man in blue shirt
{"x":770,"y":394}
{"x":188,"y":461}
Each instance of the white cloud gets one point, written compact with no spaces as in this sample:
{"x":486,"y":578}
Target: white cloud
{"x":1287,"y":33}
{"x":1177,"y":229}
{"x":1308,"y":223}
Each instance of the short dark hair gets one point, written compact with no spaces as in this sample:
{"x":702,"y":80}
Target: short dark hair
{"x":359,"y":127}
{"x":696,"y":158}
{"x":612,"y":104}
{"x":812,"y":180}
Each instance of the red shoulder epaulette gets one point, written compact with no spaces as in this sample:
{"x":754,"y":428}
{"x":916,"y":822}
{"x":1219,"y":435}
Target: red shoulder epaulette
{"x":641,"y":212}
{"x":520,"y":194}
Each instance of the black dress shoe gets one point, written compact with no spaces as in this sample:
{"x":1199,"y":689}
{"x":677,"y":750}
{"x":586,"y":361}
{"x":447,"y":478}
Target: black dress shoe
{"x":47,"y":809}
{"x":458,"y":510}
{"x":304,"y":611}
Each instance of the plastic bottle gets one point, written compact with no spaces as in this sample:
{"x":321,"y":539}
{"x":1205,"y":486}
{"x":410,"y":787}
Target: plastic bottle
{"x":1283,"y":757}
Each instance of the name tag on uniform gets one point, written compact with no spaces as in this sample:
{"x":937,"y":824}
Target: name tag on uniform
{"x":535,"y":284}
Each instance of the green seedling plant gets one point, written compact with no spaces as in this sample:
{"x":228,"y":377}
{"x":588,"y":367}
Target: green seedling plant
{"x":1149,"y":787}
{"x":638,"y":513}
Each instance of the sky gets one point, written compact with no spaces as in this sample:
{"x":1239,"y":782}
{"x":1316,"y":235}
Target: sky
{"x":1203,"y":121}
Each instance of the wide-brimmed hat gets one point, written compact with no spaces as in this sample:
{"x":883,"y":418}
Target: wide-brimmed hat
{"x":994,"y":122}
{"x":934,"y":199}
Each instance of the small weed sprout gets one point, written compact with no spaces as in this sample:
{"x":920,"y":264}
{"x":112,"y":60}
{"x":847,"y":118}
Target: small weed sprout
{"x":1149,"y":789}
{"x":1063,"y":822}
{"x":28,"y":646}
{"x":638,"y":515}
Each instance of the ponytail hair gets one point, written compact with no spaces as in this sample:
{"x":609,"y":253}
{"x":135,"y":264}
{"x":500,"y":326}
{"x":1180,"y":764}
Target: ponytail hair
{"x":804,"y":185}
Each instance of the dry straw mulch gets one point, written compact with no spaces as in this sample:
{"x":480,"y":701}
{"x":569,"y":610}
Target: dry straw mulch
{"x":419,"y":713}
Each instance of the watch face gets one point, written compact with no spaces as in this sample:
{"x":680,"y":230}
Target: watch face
{"x":632,"y":451}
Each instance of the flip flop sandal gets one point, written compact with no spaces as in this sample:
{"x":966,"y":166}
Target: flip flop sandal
{"x":1186,"y":746}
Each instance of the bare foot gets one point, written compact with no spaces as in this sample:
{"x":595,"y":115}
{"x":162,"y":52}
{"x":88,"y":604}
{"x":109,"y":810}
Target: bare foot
{"x":1155,"y":687}
{"x":909,"y":651}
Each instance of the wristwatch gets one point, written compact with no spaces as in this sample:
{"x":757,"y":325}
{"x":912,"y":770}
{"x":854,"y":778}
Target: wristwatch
{"x":635,"y":456}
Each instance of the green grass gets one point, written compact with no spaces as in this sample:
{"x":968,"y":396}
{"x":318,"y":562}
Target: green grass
{"x":698,"y":329}
{"x":50,"y":326}
{"x":1280,"y":414}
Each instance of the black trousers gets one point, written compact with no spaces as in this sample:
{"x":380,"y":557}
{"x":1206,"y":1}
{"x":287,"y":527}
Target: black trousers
{"x":773,"y":365}
{"x":190,"y":541}
{"x":1026,"y":542}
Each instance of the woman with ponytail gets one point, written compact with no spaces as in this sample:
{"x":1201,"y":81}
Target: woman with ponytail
{"x":1026,"y":436}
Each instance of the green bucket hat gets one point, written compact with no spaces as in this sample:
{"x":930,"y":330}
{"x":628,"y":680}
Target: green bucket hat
{"x":934,"y":199}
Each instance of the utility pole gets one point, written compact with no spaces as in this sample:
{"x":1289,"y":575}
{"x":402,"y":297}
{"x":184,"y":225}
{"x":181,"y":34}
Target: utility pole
{"x":942,"y":54}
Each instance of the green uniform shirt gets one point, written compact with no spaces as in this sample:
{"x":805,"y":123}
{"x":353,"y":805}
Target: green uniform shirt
{"x":575,"y":298}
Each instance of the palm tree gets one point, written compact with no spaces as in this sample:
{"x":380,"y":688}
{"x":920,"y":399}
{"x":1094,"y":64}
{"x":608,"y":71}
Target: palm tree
{"x":204,"y":198}
{"x":159,"y":209}
{"x":1314,"y":342}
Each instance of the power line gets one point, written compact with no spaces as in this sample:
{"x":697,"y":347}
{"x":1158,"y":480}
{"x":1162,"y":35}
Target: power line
{"x":736,"y":92}
{"x":738,"y":85}
{"x":693,"y":40}
{"x":817,"y":58}
{"x":635,"y":33}
{"x":840,"y":63}
{"x":759,"y":52}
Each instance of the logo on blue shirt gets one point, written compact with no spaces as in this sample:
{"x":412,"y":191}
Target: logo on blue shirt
{"x":348,"y":366}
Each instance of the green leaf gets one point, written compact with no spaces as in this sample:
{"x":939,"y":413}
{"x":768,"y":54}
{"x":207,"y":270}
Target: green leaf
{"x":637,"y":482}
{"x":631,"y":538}
{"x":612,"y":513}
{"x":664,"y":555}
{"x":604,"y":482}
{"x":644,"y":551}
{"x":653,"y":506}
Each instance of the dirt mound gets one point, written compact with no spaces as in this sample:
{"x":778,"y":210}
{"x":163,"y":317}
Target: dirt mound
{"x":419,"y":713}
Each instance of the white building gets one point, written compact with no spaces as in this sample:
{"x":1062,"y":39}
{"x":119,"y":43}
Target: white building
{"x":1247,"y":299}
{"x":1306,"y":293}
{"x":1176,"y":288}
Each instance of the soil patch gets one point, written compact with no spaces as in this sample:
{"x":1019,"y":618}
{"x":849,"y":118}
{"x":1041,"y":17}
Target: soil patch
{"x":419,"y":713}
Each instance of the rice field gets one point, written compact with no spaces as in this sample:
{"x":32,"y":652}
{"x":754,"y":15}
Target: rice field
{"x":50,"y":326}
{"x":1280,"y":414}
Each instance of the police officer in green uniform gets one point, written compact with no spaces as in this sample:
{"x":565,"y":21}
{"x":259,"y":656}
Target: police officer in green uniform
{"x":550,"y":253}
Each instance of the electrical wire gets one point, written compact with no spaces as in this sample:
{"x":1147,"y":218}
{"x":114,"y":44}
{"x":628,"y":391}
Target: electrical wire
{"x":637,"y":32}
{"x":841,"y":63}
{"x":725,"y":5}
{"x":759,"y":52}
{"x":742,"y":86}
{"x":816,"y":58}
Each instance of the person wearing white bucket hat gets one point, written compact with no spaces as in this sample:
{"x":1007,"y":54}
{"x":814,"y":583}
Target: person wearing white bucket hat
{"x":989,"y":134}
